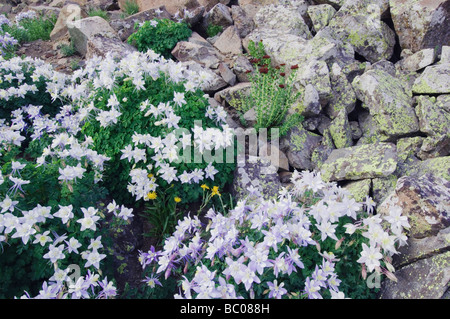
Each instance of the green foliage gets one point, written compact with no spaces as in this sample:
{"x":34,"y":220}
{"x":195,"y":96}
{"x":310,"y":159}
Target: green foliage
{"x":160,"y":35}
{"x":34,"y":29}
{"x":145,"y":292}
{"x":67,"y":49}
{"x":214,"y":30}
{"x":130,"y":7}
{"x":272,"y":92}
{"x":112,"y":139}
{"x":99,"y":13}
{"x":162,"y":214}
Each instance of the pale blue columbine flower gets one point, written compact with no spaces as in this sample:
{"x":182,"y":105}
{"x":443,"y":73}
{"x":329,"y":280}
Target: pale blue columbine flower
{"x":108,"y":289}
{"x":152,"y":281}
{"x":333,"y":283}
{"x":18,"y":182}
{"x":49,"y":291}
{"x":276,"y":291}
{"x":312,"y":289}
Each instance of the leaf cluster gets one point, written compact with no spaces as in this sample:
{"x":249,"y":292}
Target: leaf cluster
{"x":161,"y":38}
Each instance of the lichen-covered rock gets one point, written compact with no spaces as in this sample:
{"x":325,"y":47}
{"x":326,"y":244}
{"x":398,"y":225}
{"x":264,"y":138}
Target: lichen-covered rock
{"x":369,"y":129}
{"x":423,"y":265}
{"x":283,"y":48}
{"x":444,"y":102}
{"x":388,"y":102}
{"x":445,"y":54}
{"x":425,"y":200}
{"x":241,"y":67}
{"x":356,"y":130}
{"x":434,"y":80}
{"x":256,"y":173}
{"x":341,"y":131}
{"x":298,"y":145}
{"x":435,"y":146}
{"x":359,"y":23}
{"x":315,"y":73}
{"x":360,"y":162}
{"x":283,"y":19}
{"x":292,"y":49}
{"x":343,"y":96}
{"x":322,"y":150}
{"x":233,"y":93}
{"x":421,"y":24}
{"x":424,"y":279}
{"x":433,"y":119}
{"x":321,"y":15}
{"x":408,"y":148}
{"x":335,"y":3}
{"x":439,"y":166}
{"x":251,"y":7}
{"x":382,"y":187}
{"x":420,"y":248}
{"x":311,"y":103}
{"x":359,"y":189}
{"x":418,"y":60}
{"x":172,"y":6}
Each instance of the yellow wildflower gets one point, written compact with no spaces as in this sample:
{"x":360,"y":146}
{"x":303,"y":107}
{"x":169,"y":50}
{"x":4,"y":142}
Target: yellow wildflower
{"x":215,"y":191}
{"x":152,"y":195}
{"x":177,"y":199}
{"x":204,"y":186}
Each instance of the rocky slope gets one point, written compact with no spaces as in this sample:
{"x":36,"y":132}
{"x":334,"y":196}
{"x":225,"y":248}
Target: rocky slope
{"x":375,"y":84}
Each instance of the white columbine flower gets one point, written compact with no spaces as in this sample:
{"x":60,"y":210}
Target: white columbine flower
{"x":55,"y":253}
{"x":370,"y":256}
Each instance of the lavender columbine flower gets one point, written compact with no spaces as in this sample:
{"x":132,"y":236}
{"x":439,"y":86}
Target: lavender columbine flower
{"x":18,"y":182}
{"x":152,"y":281}
{"x":276,"y":291}
{"x":293,"y":259}
{"x":333,"y":282}
{"x":249,"y":277}
{"x":279,"y":265}
{"x":108,"y":289}
{"x":312,"y":289}
{"x":319,"y":276}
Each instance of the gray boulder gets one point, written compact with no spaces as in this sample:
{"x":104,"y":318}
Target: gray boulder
{"x":360,"y":162}
{"x":434,"y":80}
{"x":421,"y":24}
{"x":299,"y":145}
{"x":388,"y":102}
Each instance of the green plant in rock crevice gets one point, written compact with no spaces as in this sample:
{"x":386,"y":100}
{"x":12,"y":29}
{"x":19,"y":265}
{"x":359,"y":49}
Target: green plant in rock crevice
{"x":130,"y":7}
{"x":271,"y":93}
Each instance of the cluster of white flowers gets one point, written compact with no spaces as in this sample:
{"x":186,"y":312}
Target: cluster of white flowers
{"x":74,"y":153}
{"x":263,"y":238}
{"x":30,"y":14}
